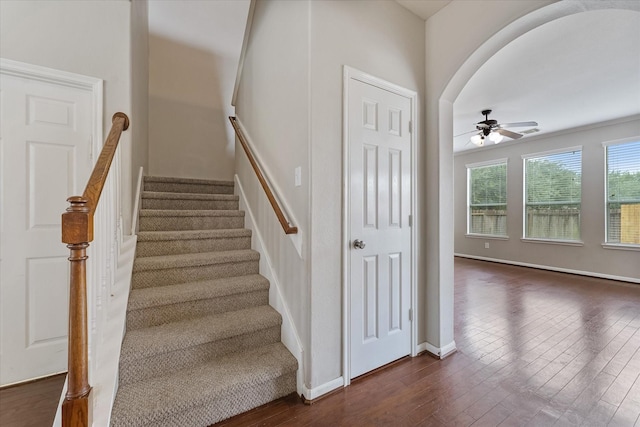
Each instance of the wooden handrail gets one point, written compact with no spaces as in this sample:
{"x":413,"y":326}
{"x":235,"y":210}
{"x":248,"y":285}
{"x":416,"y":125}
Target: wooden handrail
{"x":77,"y":232}
{"x":288,"y":228}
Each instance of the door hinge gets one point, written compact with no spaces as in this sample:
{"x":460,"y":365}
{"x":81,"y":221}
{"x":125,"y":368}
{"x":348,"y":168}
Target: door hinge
{"x":410,"y":220}
{"x":410,"y":126}
{"x":410,"y":315}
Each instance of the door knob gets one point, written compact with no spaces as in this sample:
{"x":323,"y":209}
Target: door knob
{"x":358,"y":244}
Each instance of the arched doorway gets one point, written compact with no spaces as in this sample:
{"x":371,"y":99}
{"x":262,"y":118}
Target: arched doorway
{"x":470,"y":44}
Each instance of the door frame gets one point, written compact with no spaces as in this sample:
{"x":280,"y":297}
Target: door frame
{"x":93,"y":85}
{"x":350,"y":73}
{"x":64,"y":78}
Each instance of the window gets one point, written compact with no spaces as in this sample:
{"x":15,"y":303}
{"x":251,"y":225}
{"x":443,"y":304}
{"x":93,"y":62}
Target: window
{"x":623,"y":193}
{"x":552,"y":184}
{"x":487,"y":202}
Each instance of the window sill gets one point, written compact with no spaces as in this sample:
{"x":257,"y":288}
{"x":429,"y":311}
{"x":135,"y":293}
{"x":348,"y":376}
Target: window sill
{"x":621,"y":246}
{"x":554,"y":242}
{"x":486,"y":236}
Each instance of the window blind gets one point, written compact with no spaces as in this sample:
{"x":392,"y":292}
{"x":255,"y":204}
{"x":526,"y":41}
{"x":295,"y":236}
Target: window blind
{"x":623,"y":193}
{"x":487,"y":204}
{"x":553,"y":195}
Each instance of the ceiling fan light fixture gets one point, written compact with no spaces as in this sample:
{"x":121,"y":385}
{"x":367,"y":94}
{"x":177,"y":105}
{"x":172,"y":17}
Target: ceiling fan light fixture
{"x":478,"y":140}
{"x":496,"y":137}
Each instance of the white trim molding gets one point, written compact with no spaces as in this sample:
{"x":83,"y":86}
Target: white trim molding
{"x":322,"y":389}
{"x":621,"y":141}
{"x":621,"y":246}
{"x":552,"y":241}
{"x":290,"y":336}
{"x":494,"y":162}
{"x":135,"y":215}
{"x":350,"y":73}
{"x":64,"y":78}
{"x":486,"y":236}
{"x":551,"y":152}
{"x":439,"y":352}
{"x":550,"y":268}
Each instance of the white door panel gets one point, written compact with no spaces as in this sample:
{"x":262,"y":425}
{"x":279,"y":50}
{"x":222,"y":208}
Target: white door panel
{"x":380,"y":203}
{"x":44,"y":158}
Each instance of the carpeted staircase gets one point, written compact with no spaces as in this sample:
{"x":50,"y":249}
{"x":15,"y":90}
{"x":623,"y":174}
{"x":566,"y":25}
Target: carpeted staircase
{"x":202,"y":343}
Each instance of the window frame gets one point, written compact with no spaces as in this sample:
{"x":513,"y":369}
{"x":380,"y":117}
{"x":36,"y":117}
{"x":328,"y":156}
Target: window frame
{"x":488,"y":163}
{"x":606,"y":244}
{"x":549,"y":240}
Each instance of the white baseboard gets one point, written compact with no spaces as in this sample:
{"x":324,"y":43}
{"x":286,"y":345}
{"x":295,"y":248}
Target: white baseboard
{"x":550,"y":268}
{"x":439,"y":352}
{"x":315,"y":392}
{"x":290,"y":337}
{"x":104,"y":392}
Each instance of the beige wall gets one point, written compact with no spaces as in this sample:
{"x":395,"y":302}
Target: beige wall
{"x":454,"y":53}
{"x":273,"y":105}
{"x":139,"y":87}
{"x":89,"y":38}
{"x":290,"y":100}
{"x":590,"y":258}
{"x":194,"y":48}
{"x":382,"y":39}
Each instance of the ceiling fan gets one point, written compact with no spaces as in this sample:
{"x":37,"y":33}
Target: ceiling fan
{"x":494,"y":131}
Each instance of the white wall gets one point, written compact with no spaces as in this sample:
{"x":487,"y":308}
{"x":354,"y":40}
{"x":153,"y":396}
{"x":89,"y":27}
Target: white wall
{"x":382,"y":39}
{"x":591,"y":257}
{"x":194,"y":48}
{"x":139,"y":116}
{"x":273,"y":105}
{"x":89,"y":38}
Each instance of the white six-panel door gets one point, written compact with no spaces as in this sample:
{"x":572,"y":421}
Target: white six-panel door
{"x":45,"y":139}
{"x":380,"y":203}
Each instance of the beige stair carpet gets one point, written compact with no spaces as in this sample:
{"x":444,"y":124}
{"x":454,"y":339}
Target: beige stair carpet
{"x":202,"y":343}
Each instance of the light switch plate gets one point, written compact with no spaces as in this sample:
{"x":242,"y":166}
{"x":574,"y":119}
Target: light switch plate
{"x":298,"y":176}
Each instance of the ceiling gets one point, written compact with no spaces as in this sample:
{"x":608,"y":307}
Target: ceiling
{"x":578,"y":70}
{"x":424,"y":8}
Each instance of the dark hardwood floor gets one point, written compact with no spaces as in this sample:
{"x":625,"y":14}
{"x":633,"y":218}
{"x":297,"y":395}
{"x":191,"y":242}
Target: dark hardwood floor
{"x":535,"y":348}
{"x":32,"y":404}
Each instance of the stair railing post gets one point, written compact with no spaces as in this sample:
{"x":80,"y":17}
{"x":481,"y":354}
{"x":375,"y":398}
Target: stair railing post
{"x":77,"y":232}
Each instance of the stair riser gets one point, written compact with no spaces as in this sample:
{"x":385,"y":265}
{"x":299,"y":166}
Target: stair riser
{"x":176,"y":187}
{"x":162,"y":223}
{"x":153,"y":316}
{"x":228,"y":406}
{"x":175,"y":247}
{"x":189,"y":204}
{"x":140,"y":369}
{"x":171,"y":276}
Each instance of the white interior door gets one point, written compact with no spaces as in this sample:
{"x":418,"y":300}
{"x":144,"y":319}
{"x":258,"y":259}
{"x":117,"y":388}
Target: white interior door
{"x":45,"y":145}
{"x":380,"y":205}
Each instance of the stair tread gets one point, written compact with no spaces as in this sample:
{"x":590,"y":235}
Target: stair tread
{"x":187,"y":180}
{"x":168,"y":337}
{"x":149,"y":236}
{"x":188,"y":196}
{"x":150,"y":401}
{"x":193,"y":259}
{"x":206,"y":289}
{"x":189,"y":212}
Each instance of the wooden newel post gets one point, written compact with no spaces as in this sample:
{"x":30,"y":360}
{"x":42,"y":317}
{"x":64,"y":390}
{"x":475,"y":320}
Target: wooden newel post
{"x":77,"y":232}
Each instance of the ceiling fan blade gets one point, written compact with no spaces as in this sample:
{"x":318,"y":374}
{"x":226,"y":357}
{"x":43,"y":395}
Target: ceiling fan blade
{"x":508,"y":133}
{"x":517,"y":125}
{"x":465,"y":133}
